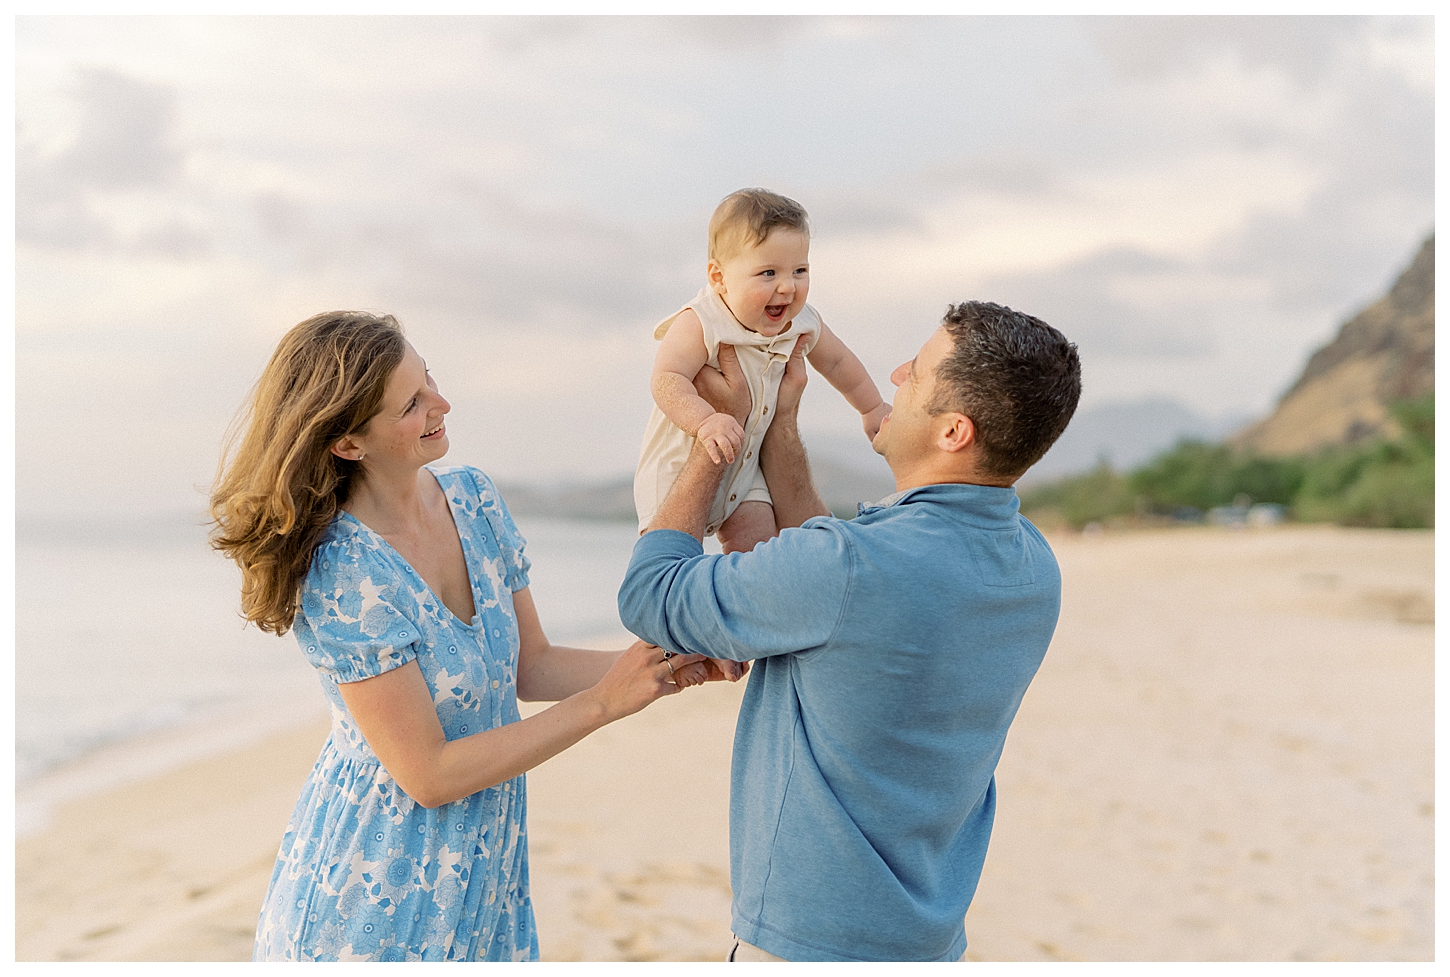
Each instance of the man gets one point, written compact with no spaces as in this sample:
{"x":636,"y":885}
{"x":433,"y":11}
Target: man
{"x":891,"y":651}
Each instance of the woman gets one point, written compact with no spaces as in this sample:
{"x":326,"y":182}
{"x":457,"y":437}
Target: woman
{"x":407,"y":588}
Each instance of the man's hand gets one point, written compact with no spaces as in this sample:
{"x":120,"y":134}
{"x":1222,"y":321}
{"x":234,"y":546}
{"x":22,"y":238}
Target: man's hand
{"x":793,"y":383}
{"x":783,"y":457}
{"x":725,"y":389}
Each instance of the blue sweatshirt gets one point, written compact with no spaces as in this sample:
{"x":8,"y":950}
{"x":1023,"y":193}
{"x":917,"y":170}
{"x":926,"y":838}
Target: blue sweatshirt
{"x":891,"y":652}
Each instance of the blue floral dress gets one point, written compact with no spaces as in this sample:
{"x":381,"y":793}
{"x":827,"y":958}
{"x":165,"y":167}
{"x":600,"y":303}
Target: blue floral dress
{"x":364,"y":873}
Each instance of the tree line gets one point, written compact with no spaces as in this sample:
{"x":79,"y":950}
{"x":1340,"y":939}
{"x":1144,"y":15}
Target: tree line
{"x":1387,"y":482}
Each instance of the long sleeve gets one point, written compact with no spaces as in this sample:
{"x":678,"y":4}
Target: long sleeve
{"x":784,"y":596}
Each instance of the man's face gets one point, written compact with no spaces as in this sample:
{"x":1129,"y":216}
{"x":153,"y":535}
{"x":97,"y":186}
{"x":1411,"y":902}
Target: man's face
{"x":906,"y":434}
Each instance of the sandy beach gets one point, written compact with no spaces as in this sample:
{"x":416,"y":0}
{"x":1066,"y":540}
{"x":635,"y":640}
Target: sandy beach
{"x":1227,"y":755}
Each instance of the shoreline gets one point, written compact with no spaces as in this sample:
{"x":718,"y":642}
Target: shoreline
{"x":207,"y":734}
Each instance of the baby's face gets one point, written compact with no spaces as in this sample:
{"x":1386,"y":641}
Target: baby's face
{"x":766,"y":285}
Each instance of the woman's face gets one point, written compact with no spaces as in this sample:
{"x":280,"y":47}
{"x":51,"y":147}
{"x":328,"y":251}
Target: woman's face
{"x":407,"y":432}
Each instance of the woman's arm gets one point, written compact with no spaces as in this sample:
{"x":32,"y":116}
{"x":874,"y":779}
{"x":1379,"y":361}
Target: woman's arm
{"x":548,"y":672}
{"x":396,"y":715}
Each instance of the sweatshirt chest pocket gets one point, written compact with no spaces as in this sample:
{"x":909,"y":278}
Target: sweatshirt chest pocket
{"x":1001,"y":558}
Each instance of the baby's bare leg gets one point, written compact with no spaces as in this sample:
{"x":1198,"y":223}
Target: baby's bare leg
{"x":750,"y":523}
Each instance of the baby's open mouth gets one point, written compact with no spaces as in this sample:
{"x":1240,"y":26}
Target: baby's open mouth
{"x":775,"y":311}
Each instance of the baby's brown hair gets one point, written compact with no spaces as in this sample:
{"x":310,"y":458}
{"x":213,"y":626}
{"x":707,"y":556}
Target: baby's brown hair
{"x":746,"y":218}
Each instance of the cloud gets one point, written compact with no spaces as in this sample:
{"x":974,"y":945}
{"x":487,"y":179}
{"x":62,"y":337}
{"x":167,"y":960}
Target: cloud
{"x":1197,"y":208}
{"x":281,"y":217}
{"x":763,"y":36}
{"x":1307,"y":48}
{"x":124,"y":145}
{"x":490,"y":260}
{"x":1008,"y":172}
{"x":1121,"y":301}
{"x":126,"y":137}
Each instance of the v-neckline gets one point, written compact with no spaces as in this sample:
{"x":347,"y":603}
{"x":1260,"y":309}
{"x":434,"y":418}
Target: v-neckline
{"x":477,"y":621}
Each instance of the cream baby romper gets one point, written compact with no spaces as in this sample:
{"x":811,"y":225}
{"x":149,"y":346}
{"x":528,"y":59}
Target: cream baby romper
{"x":763,"y":360}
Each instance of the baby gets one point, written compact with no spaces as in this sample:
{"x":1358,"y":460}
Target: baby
{"x":754,"y":299}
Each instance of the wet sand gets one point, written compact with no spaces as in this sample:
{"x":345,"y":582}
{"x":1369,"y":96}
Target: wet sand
{"x":1228,"y":755}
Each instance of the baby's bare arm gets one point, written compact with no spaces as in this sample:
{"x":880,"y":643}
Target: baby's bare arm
{"x":835,"y":361}
{"x":681,"y":354}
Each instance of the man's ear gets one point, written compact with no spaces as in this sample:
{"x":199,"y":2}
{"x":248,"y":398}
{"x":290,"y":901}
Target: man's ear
{"x":348,"y":449}
{"x":715,"y":275}
{"x":955,"y":431}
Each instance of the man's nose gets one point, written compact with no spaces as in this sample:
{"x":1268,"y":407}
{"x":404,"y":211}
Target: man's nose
{"x":898,"y":375}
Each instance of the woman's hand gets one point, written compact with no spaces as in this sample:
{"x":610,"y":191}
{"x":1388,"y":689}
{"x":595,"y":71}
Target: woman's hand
{"x":641,"y":674}
{"x":396,"y":714}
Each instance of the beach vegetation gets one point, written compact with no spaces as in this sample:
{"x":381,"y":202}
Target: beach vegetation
{"x":1386,"y":482}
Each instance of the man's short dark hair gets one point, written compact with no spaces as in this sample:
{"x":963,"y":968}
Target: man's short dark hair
{"x":1015,"y":376}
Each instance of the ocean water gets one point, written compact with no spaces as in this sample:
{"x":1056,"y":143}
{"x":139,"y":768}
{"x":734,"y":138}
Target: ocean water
{"x":127,"y":629}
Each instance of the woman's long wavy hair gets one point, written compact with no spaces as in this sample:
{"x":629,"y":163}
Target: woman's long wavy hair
{"x":279,"y":489}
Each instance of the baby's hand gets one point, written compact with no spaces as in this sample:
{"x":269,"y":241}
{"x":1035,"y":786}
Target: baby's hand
{"x":871,"y":420}
{"x":721,"y":435}
{"x":724,"y":670}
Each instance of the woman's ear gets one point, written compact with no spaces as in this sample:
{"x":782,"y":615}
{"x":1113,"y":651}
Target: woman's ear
{"x":347,"y":449}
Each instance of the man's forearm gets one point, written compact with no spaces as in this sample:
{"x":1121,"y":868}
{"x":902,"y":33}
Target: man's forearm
{"x":788,"y":475}
{"x":687,"y":506}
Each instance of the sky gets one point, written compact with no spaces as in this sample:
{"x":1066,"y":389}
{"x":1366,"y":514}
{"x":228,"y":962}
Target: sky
{"x":1198,"y":203}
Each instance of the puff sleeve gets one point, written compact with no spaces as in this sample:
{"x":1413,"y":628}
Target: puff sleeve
{"x":356,"y":618}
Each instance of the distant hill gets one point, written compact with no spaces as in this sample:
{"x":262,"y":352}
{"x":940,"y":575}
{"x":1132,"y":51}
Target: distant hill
{"x":1384,"y":354}
{"x":1125,"y":435}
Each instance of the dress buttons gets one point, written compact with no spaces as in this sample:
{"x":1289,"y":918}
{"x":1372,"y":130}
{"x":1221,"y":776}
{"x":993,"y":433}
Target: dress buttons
{"x":732,"y":496}
{"x":764,"y":410}
{"x":749,"y":453}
